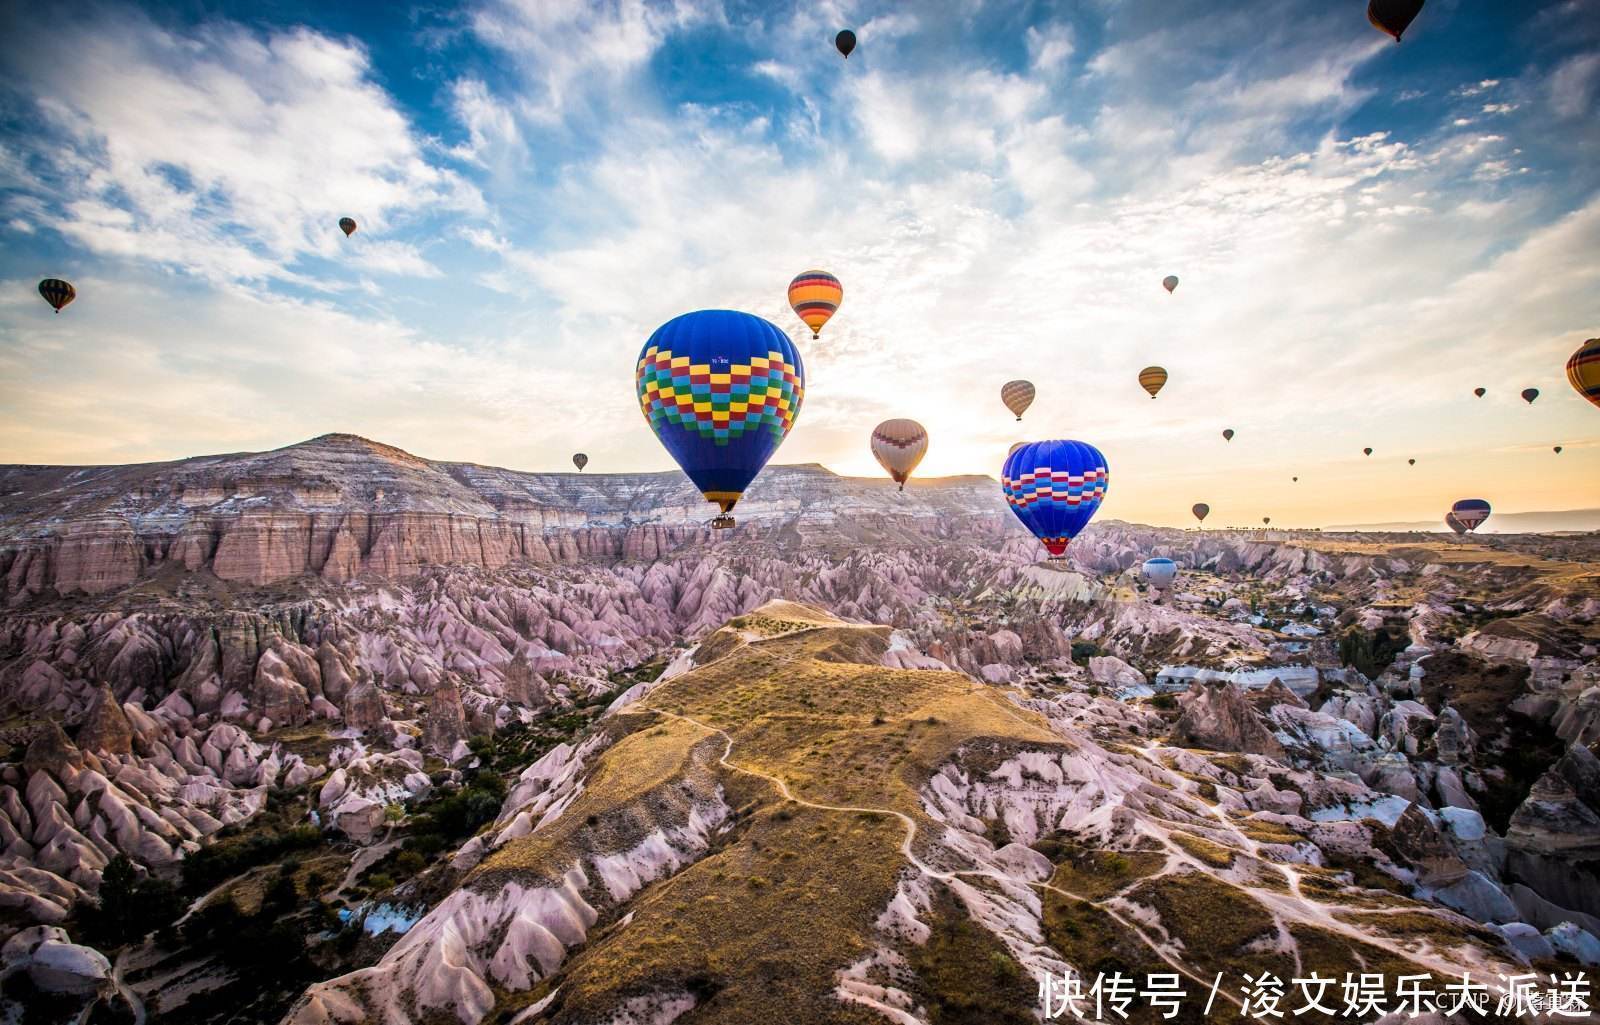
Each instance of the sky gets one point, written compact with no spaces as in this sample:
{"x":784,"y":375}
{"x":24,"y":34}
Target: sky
{"x":1364,"y":232}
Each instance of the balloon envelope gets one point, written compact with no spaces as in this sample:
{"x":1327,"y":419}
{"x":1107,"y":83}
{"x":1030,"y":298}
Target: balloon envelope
{"x":1411,"y":462}
{"x":1054,"y":488}
{"x":580,"y":461}
{"x":1266,"y":519}
{"x":1454,"y":524}
{"x":1583,"y":370}
{"x":844,"y":42}
{"x":1529,"y":394}
{"x":1201,"y":511}
{"x":1170,"y":282}
{"x":57,"y":292}
{"x":1151,"y":379}
{"x":1017,"y":395}
{"x":1160,"y":572}
{"x":1471,"y":512}
{"x":1558,"y":450}
{"x":1366,"y":451}
{"x":348,"y":226}
{"x":1227,"y":434}
{"x":815,"y":296}
{"x":1480,"y":392}
{"x":899,"y":446}
{"x":721,"y":389}
{"x":1393,"y":17}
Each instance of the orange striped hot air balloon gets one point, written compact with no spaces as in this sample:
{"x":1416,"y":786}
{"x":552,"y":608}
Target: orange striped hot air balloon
{"x":1151,"y":379}
{"x":815,"y":296}
{"x":1583,"y":370}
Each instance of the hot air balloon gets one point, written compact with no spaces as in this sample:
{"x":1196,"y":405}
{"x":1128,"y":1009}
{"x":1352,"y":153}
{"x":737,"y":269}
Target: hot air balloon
{"x":721,"y":389}
{"x":1366,"y":451}
{"x":1558,"y":450}
{"x":347,"y":225}
{"x":1266,"y":520}
{"x":1411,"y":462}
{"x":1295,"y":479}
{"x":1583,"y":370}
{"x":580,"y":461}
{"x":1227,"y":434}
{"x":815,"y":296}
{"x":1151,"y":379}
{"x":1529,"y":394}
{"x":1055,"y":488}
{"x":57,"y":292}
{"x":1170,"y":283}
{"x":844,"y":42}
{"x":1471,"y":512}
{"x":1454,"y":524}
{"x":1013,"y":448}
{"x":899,"y":446}
{"x":1160,"y":572}
{"x":1393,"y":17}
{"x":1201,"y":511}
{"x":1017,"y":395}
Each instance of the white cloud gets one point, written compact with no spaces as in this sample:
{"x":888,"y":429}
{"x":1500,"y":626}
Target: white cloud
{"x":1049,"y":47}
{"x":227,"y":153}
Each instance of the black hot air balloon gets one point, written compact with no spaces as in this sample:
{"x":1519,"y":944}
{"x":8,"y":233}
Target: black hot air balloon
{"x":1227,"y":434}
{"x":1480,"y":392}
{"x":1266,"y":521}
{"x":580,"y":461}
{"x":1295,"y":479}
{"x":1393,"y":17}
{"x":347,"y":225}
{"x":1201,"y":511}
{"x":1411,"y":462}
{"x":1558,"y":450}
{"x":1529,"y":394}
{"x":57,"y":292}
{"x":1366,"y":451}
{"x":845,"y":42}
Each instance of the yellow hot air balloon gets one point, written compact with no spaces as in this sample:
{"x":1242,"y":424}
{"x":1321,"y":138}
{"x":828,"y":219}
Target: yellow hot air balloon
{"x":1017,"y":395}
{"x":1583,"y":370}
{"x":815,"y":296}
{"x":899,"y":446}
{"x":1151,"y":379}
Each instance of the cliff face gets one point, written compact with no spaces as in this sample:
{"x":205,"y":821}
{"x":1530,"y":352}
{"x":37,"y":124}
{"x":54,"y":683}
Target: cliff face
{"x":339,"y":507}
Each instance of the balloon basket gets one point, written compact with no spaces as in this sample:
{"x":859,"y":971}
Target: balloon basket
{"x":722,"y":522}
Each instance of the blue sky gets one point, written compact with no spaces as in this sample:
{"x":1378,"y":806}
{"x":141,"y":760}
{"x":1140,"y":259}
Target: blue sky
{"x":1364,"y":231}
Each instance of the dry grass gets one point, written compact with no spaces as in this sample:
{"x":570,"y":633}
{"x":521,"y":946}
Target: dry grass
{"x":1202,"y":850}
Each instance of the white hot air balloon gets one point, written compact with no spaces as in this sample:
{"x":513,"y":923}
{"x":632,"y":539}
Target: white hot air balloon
{"x":899,"y":446}
{"x":1160,"y":572}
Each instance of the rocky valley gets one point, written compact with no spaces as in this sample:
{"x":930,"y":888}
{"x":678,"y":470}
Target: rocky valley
{"x":335,"y":733}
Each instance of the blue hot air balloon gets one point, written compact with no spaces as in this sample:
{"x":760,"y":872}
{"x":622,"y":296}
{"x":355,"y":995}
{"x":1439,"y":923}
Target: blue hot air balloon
{"x":1055,"y":488}
{"x":1471,"y":512}
{"x":1160,"y":572}
{"x":721,"y":389}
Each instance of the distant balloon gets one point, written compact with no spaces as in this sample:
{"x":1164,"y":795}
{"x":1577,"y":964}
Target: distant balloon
{"x":1013,"y":448}
{"x":1393,"y":17}
{"x":1017,"y":395}
{"x":1227,"y":434}
{"x":1055,"y":488}
{"x":1558,"y":450}
{"x":815,"y":296}
{"x":845,"y":42}
{"x":1529,"y":394}
{"x":721,"y":390}
{"x":1411,"y":462}
{"x":1152,"y":379}
{"x":57,"y":292}
{"x":1583,"y":370}
{"x":1471,"y":512}
{"x":580,"y":461}
{"x":1170,"y":283}
{"x":1480,"y":392}
{"x":1366,"y":451}
{"x":1266,"y":519}
{"x":899,"y":446}
{"x":1295,"y":479}
{"x":1201,"y":511}
{"x":347,"y":225}
{"x":1160,"y":572}
{"x":1454,"y":524}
